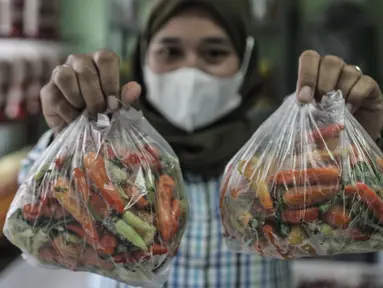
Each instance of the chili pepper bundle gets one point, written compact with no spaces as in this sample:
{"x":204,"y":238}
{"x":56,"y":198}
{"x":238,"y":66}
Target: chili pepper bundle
{"x":107,"y":198}
{"x":308,"y":183}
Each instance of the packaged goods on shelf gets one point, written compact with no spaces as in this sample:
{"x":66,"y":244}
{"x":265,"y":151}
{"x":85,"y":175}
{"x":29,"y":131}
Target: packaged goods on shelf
{"x":27,"y":67}
{"x":41,"y":18}
{"x":31,"y":19}
{"x":11,"y":18}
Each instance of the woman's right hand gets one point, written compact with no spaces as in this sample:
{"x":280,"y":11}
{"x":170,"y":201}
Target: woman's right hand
{"x":84,"y":82}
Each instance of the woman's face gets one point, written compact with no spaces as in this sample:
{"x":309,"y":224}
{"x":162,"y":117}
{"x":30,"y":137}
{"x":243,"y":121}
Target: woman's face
{"x":193,"y":39}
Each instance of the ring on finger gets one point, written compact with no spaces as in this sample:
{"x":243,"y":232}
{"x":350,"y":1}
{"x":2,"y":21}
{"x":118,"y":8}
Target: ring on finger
{"x":358,"y":68}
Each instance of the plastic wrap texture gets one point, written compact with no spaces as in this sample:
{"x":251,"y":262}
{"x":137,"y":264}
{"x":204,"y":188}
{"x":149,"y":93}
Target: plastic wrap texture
{"x":308,"y":183}
{"x":106,"y":197}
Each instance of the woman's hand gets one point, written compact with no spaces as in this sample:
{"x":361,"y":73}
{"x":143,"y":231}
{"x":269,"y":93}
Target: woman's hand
{"x":84,"y":82}
{"x":319,"y":75}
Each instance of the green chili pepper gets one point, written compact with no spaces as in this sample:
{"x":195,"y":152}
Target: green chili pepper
{"x":116,"y":174}
{"x":285,"y":229}
{"x":40,"y":174}
{"x":149,"y":237}
{"x":131,"y":219}
{"x":297,"y":235}
{"x":323,"y":208}
{"x":128,"y":232}
{"x":184,"y":206}
{"x":326,"y":230}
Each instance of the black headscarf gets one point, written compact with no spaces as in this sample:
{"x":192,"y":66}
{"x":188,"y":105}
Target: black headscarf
{"x":206,"y":151}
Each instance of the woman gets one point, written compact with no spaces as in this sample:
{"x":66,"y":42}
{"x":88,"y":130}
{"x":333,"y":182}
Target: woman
{"x":202,"y":93}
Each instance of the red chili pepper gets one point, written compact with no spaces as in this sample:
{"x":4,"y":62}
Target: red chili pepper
{"x":311,"y":176}
{"x":106,"y":245}
{"x":330,"y":131}
{"x":133,"y":193}
{"x":98,"y":206}
{"x":269,"y":232}
{"x":155,"y":153}
{"x":120,"y":258}
{"x":132,"y":159}
{"x":137,"y":256}
{"x":358,"y":235}
{"x":47,"y":196}
{"x":307,"y":196}
{"x":158,"y":249}
{"x":31,"y":211}
{"x":59,"y":162}
{"x":95,"y":167}
{"x":368,"y":196}
{"x":81,"y":184}
{"x":152,"y":150}
{"x":258,"y":246}
{"x":338,"y":217}
{"x":298,"y":216}
{"x":110,"y":154}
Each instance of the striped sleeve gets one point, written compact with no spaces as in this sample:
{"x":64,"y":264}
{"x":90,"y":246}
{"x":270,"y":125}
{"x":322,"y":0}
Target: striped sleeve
{"x":35,"y":154}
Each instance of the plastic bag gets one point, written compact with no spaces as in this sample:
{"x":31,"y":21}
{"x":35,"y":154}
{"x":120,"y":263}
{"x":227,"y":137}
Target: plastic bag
{"x":308,"y":183}
{"x":107,"y":197}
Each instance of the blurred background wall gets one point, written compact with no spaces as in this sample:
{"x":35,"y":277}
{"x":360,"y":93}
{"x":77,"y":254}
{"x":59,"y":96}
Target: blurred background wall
{"x":350,"y":29}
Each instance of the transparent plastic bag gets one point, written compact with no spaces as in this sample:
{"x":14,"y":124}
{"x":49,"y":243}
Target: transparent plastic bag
{"x":308,"y":183}
{"x":106,"y":197}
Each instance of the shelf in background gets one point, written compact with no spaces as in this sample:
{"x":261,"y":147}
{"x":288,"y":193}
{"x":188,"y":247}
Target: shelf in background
{"x":26,"y":45}
{"x":351,"y":274}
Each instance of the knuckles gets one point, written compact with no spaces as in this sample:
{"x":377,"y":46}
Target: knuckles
{"x":106,"y":57}
{"x":332,"y":62}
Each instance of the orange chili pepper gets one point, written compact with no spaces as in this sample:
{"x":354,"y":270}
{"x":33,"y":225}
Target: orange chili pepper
{"x":368,"y":197}
{"x":95,"y":167}
{"x":63,"y":192}
{"x":330,"y":131}
{"x":81,"y":184}
{"x":379,"y":162}
{"x":312,"y":176}
{"x":176,"y":213}
{"x":298,"y":216}
{"x":300,"y":197}
{"x":338,"y":217}
{"x":165,"y":186}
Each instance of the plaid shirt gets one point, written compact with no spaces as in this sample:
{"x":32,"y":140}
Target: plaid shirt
{"x":203,"y":259}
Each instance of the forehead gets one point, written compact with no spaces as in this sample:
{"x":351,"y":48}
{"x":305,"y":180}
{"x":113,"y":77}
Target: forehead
{"x":193,"y":24}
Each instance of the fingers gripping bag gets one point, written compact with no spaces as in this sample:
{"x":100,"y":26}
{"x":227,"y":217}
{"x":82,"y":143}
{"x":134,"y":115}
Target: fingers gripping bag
{"x":308,"y":183}
{"x":107,"y":197}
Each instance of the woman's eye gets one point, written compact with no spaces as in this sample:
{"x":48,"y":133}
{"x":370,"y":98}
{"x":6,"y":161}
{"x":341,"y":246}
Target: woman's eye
{"x":170,"y":52}
{"x":216,"y":55}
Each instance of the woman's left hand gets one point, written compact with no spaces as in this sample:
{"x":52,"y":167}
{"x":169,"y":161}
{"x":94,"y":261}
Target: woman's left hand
{"x":319,"y":75}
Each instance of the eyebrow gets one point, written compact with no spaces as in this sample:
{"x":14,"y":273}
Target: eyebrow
{"x":216,"y":40}
{"x":206,"y":40}
{"x":169,"y":40}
